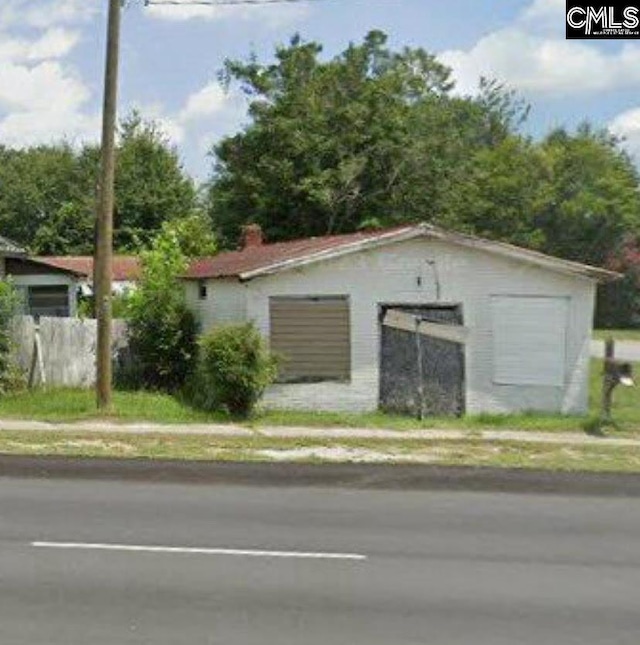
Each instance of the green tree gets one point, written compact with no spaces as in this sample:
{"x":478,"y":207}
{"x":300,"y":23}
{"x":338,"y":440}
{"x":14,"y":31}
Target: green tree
{"x":45,"y":187}
{"x":502,"y":193}
{"x":193,"y":234}
{"x":593,"y":198}
{"x":151,"y":185}
{"x":47,"y":193}
{"x":372,"y":135}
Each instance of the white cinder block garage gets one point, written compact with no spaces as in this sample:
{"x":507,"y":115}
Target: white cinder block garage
{"x":414,"y":319}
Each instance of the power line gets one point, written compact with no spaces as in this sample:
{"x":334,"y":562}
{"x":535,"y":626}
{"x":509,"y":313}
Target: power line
{"x":218,"y":3}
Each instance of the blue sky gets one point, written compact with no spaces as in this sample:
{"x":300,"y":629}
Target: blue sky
{"x":52,"y":51}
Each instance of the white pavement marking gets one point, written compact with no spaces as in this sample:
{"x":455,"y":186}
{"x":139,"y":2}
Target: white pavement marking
{"x":202,"y":551}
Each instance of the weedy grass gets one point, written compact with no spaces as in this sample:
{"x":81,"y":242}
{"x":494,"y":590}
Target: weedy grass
{"x":68,"y":405}
{"x":471,"y":452}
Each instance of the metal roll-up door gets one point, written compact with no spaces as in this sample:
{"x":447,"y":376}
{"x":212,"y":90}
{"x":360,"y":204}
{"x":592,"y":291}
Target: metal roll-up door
{"x":312,"y":337}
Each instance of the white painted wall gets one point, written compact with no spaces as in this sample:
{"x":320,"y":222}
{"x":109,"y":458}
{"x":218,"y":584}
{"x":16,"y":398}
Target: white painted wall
{"x":225,"y":302}
{"x":408,"y":273}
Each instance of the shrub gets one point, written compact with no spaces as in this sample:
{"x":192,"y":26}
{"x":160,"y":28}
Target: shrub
{"x":618,"y":305}
{"x":119,"y":305}
{"x":9,"y":307}
{"x":162,"y":330}
{"x":234,"y":369}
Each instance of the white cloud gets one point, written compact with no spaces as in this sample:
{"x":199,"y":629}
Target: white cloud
{"x":273,"y":15}
{"x":47,"y":14}
{"x":42,"y":99}
{"x":207,"y":102}
{"x":547,"y":12}
{"x":528,"y":57}
{"x":627,"y":126}
{"x":45,"y":85}
{"x":54,"y":43}
{"x":43,"y":103}
{"x":210,"y":107}
{"x":38,"y":126}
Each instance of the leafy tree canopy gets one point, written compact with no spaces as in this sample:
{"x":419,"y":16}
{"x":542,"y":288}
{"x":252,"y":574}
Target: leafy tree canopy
{"x":371,"y":135}
{"x":47,"y":193}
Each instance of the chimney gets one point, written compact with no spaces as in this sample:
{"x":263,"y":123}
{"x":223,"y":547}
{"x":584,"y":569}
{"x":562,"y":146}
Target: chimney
{"x":251,"y":236}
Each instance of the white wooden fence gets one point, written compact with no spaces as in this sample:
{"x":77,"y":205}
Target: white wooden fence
{"x":61,"y":352}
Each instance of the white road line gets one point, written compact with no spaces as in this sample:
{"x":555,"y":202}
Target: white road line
{"x":301,"y":555}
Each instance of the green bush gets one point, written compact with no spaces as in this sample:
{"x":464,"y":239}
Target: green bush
{"x":119,"y":305}
{"x":9,"y":307}
{"x":234,"y":369}
{"x":162,"y":330}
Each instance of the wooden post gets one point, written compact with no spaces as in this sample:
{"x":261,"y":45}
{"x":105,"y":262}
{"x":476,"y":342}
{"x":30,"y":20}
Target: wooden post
{"x":37,"y":360}
{"x":607,"y":379}
{"x":420,"y":370}
{"x":104,"y":229}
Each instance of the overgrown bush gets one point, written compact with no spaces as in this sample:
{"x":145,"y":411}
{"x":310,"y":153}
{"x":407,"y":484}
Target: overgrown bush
{"x":234,"y":369}
{"x":162,"y":330}
{"x":9,"y":307}
{"x":119,"y":305}
{"x":618,"y":305}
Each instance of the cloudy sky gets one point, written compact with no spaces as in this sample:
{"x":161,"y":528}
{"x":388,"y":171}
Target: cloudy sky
{"x":51,"y":62}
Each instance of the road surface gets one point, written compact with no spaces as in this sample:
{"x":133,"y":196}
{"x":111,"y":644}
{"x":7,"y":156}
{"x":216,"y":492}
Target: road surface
{"x":628,"y":350}
{"x":120,"y":563}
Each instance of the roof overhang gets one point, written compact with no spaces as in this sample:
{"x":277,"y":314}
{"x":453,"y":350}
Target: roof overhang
{"x":524,"y":255}
{"x":49,"y":267}
{"x":398,"y":235}
{"x":427,"y":231}
{"x":502,"y":249}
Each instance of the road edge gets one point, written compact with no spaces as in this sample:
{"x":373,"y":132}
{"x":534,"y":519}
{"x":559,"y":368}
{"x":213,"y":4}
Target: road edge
{"x":354,"y":476}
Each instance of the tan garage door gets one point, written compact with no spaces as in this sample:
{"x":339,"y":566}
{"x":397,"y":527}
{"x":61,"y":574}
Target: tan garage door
{"x":312,"y":336}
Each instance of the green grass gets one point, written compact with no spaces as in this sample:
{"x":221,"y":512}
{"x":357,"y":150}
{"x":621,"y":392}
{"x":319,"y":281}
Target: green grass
{"x":76,"y":405}
{"x":617,"y":334}
{"x":470,"y":452}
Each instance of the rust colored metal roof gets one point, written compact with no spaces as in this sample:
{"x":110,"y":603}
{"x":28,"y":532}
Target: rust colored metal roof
{"x":245,"y":262}
{"x":266,"y":259}
{"x":126,"y":268}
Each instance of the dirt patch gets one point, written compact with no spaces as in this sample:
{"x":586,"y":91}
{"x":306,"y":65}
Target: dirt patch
{"x":353,"y":455}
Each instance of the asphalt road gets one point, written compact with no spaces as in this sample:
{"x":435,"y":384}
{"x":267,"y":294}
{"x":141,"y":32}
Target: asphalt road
{"x":343,"y":567}
{"x":625,"y":350}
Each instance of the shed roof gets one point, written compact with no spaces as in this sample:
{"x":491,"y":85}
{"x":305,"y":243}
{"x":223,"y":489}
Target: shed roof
{"x":267,"y":259}
{"x":9,"y":247}
{"x":126,"y":268}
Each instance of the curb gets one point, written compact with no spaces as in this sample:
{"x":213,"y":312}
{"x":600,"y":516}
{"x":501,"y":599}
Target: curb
{"x":354,"y":476}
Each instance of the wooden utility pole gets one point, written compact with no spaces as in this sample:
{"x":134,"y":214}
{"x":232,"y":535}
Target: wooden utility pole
{"x":103,"y":255}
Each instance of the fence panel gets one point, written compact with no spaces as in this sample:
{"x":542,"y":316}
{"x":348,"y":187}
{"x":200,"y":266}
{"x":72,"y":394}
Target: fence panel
{"x":68,"y":348}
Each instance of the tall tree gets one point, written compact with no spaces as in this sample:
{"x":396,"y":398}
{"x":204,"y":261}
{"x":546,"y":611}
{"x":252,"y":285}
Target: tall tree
{"x":47,"y":193}
{"x":151,"y":184}
{"x":371,"y":136}
{"x":593,"y":198}
{"x":40,"y":189}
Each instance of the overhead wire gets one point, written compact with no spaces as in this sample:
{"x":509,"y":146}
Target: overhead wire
{"x":219,"y":3}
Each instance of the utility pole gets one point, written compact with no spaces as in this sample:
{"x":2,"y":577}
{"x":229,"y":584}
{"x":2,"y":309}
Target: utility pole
{"x":103,"y":255}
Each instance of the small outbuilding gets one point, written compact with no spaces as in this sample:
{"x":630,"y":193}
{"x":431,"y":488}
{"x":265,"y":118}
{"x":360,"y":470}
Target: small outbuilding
{"x":46,"y":290}
{"x":414,"y":319}
{"x":126,"y":270}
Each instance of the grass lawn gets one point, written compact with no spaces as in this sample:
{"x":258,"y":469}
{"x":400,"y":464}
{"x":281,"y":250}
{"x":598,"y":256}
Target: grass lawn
{"x":76,"y":405}
{"x":617,"y":334}
{"x":471,"y":452}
